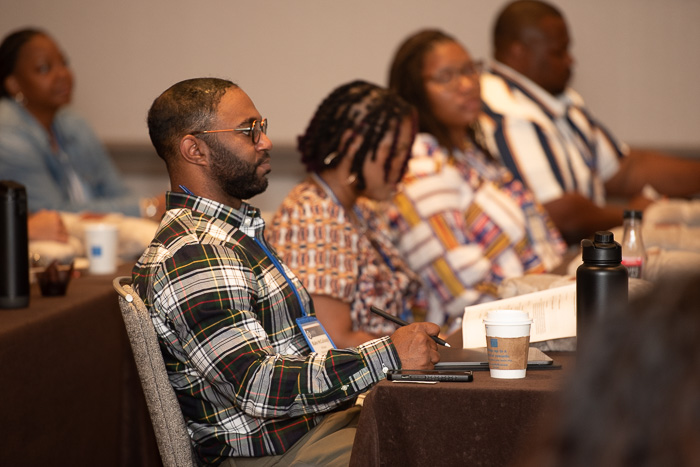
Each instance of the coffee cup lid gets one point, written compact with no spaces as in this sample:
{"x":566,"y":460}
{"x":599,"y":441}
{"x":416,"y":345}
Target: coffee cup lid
{"x":507,"y":317}
{"x":100,"y":227}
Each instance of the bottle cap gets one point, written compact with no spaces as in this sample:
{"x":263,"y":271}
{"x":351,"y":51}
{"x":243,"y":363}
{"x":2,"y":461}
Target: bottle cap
{"x":603,"y":248}
{"x":632,"y":214}
{"x":12,"y":192}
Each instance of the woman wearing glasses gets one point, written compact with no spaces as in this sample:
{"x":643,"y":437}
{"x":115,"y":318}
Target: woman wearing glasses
{"x":462,"y":222}
{"x":47,"y":147}
{"x":327,"y":229}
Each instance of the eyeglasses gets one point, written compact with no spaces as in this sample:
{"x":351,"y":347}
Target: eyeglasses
{"x":254,"y":130}
{"x":450,"y":77}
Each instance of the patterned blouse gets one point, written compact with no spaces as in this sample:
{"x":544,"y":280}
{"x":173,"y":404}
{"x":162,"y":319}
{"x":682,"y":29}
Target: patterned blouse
{"x":334,"y":257}
{"x":464,"y":224}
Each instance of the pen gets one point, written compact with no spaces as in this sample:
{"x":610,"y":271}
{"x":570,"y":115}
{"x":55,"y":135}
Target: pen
{"x":401,"y":322}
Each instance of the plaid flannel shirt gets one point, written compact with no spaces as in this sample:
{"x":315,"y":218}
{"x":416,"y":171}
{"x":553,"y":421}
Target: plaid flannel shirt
{"x":247,"y":382}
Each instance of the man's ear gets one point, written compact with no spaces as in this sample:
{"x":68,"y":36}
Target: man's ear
{"x":194,"y":151}
{"x":518,"y":55}
{"x":517,"y":50}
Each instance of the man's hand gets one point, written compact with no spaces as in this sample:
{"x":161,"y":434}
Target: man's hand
{"x":415,"y":347}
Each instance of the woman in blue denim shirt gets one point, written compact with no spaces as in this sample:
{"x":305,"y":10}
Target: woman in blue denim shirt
{"x":45,"y":146}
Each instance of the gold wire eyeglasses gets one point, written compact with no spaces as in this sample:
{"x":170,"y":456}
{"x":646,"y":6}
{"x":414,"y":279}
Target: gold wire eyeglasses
{"x":451,"y":77}
{"x":254,"y":130}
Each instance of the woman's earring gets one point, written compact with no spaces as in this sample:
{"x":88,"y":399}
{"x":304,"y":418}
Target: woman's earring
{"x":330,"y":158}
{"x":19,"y":97}
{"x":351,"y":179}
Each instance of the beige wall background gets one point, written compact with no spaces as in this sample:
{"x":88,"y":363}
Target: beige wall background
{"x":638,"y":64}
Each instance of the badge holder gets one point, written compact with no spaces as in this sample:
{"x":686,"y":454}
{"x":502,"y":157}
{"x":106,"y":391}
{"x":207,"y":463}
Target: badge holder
{"x":315,"y":334}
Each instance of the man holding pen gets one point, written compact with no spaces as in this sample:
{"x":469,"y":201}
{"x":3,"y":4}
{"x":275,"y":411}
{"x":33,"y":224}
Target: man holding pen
{"x":231,"y":318}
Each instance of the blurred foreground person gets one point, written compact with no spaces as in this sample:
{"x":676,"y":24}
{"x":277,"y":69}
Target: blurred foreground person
{"x":634,"y":397}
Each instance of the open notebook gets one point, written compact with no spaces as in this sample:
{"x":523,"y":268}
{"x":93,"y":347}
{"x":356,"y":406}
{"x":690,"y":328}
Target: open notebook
{"x":477,"y":359}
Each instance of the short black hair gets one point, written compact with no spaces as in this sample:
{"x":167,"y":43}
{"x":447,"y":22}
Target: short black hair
{"x":366,"y":109}
{"x":185,"y":107}
{"x":515,"y":18}
{"x":9,"y":51}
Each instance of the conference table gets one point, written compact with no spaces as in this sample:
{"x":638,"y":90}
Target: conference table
{"x":485,"y":422}
{"x":70,"y":393}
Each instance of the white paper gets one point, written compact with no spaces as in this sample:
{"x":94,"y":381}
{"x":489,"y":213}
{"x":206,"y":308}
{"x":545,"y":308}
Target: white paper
{"x":553,"y":313}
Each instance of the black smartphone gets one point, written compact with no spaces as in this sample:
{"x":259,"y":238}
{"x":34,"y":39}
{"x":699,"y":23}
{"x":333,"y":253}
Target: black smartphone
{"x":451,"y":376}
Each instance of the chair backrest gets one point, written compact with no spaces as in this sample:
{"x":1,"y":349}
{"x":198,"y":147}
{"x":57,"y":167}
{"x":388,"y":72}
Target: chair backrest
{"x":168,"y":423}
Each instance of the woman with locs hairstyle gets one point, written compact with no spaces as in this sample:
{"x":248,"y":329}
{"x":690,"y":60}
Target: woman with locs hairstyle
{"x":328,"y":229}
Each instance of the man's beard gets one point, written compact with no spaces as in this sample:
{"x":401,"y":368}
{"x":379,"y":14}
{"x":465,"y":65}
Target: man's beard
{"x":236,"y":177}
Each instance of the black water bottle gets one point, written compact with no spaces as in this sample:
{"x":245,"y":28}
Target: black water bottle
{"x":14,"y":249}
{"x":601,"y":281}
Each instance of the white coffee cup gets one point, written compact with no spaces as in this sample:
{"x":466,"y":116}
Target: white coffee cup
{"x":507,"y":343}
{"x":101,"y":246}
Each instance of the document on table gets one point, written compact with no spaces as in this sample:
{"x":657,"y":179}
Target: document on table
{"x":553,"y":313}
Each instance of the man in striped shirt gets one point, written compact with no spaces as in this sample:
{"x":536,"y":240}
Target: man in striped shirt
{"x":545,"y":135}
{"x":225,"y":308}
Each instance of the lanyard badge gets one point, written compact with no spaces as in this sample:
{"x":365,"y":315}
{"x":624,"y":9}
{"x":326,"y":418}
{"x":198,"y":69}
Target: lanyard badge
{"x":315,"y":334}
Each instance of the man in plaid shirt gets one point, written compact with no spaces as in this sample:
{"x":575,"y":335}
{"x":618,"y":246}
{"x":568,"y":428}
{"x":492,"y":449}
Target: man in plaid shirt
{"x":225,"y":308}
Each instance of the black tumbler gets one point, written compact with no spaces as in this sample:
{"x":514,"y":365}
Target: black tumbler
{"x":14,"y":249}
{"x":601,"y":281}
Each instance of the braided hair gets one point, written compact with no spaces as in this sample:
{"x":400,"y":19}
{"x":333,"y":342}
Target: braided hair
{"x":9,"y":51}
{"x":365,"y":109}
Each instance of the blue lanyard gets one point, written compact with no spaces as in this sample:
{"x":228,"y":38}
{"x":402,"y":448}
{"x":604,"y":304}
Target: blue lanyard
{"x":377,"y":247}
{"x":272,"y":258}
{"x":376,"y":244}
{"x":186,"y":190}
{"x":279,"y":267}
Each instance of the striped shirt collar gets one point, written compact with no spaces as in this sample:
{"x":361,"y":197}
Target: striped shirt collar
{"x":555,"y":106}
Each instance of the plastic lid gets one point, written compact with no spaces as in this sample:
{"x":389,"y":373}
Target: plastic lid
{"x":507,"y":317}
{"x":632,"y":214}
{"x":603,"y":248}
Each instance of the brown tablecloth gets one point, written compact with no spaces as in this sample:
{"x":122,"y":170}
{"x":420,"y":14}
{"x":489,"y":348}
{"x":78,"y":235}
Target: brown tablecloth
{"x":481,"y":423}
{"x":69,"y":391}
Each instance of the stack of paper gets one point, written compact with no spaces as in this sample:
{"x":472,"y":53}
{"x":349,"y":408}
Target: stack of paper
{"x":553,"y":312}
